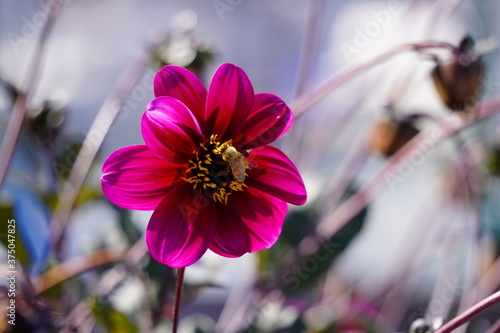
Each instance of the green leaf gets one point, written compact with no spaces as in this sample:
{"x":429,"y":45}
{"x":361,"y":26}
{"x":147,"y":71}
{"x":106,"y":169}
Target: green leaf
{"x":8,"y":226}
{"x":112,"y":320}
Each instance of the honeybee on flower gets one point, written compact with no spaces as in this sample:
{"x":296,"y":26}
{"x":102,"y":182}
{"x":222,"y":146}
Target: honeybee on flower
{"x":237,"y":162}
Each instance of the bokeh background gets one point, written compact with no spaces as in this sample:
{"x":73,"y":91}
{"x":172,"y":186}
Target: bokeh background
{"x":422,"y":242}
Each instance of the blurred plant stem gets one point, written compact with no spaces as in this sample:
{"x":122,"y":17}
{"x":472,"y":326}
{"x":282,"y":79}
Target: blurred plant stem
{"x":310,"y":44}
{"x":75,"y":266}
{"x":470,"y":313}
{"x":395,"y":291}
{"x":486,"y":285}
{"x":101,"y":125}
{"x":489,"y":280}
{"x":107,"y":284}
{"x":470,"y":182}
{"x":308,"y":99}
{"x":347,"y":171}
{"x":27,"y":88}
{"x":451,"y":125}
{"x":178,"y":297}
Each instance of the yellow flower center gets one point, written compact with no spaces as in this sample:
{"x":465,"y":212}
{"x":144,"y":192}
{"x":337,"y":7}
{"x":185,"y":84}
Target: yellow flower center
{"x":217,"y":170}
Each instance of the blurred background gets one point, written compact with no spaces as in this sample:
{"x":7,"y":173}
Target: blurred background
{"x":388,"y":235}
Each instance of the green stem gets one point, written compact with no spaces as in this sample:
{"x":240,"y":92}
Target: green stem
{"x":178,"y":297}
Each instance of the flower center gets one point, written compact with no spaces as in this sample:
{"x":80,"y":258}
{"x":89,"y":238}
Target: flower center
{"x":218,"y":169}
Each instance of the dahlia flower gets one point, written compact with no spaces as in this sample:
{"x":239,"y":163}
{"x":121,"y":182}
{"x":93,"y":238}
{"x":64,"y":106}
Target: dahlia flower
{"x":206,"y":168}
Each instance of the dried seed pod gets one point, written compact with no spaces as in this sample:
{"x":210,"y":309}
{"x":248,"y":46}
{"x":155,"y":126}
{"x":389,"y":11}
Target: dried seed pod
{"x":458,"y":82}
{"x":391,"y":134}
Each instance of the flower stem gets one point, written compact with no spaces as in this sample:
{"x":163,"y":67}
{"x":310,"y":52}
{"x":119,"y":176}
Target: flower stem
{"x":178,"y":297}
{"x":470,"y":313}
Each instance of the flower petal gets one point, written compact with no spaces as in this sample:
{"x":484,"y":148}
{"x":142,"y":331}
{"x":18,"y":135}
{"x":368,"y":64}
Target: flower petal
{"x":134,"y":178}
{"x":181,"y":227}
{"x":269,"y":120}
{"x":251,"y":222}
{"x":229,"y":101}
{"x":181,"y":84}
{"x":262,"y":214}
{"x":231,"y":238}
{"x":170,"y":130}
{"x":277,"y":175}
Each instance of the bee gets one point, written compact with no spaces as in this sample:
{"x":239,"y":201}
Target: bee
{"x":237,"y":162}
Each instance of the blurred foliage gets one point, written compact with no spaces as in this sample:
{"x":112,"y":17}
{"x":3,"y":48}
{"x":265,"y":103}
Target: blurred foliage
{"x":493,"y":160}
{"x":110,"y":319}
{"x":187,"y":49}
{"x":21,"y":254}
{"x":65,"y":158}
{"x":128,"y":227}
{"x":280,"y":268}
{"x":46,"y":123}
{"x":307,"y":271}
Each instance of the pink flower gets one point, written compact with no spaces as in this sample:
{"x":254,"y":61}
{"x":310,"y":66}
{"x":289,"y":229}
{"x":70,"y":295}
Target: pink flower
{"x":207,"y":191}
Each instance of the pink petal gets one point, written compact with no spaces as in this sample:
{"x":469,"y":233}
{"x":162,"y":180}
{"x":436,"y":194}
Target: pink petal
{"x":181,"y":84}
{"x":134,"y":178}
{"x":270,"y":118}
{"x":276,"y":175}
{"x":229,"y":101}
{"x":181,"y":227}
{"x":263,"y":216}
{"x":251,"y":222}
{"x":170,"y":130}
{"x":231,"y":238}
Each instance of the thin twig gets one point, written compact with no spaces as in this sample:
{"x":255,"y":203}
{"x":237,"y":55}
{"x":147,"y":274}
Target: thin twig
{"x":418,"y":145}
{"x":468,"y":176}
{"x":76,"y":266}
{"x":108,"y":284}
{"x":422,"y":142}
{"x":470,"y":313}
{"x":178,"y":298}
{"x":309,"y":49}
{"x":347,"y":171}
{"x":20,"y":108}
{"x":305,"y":101}
{"x":489,"y":280}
